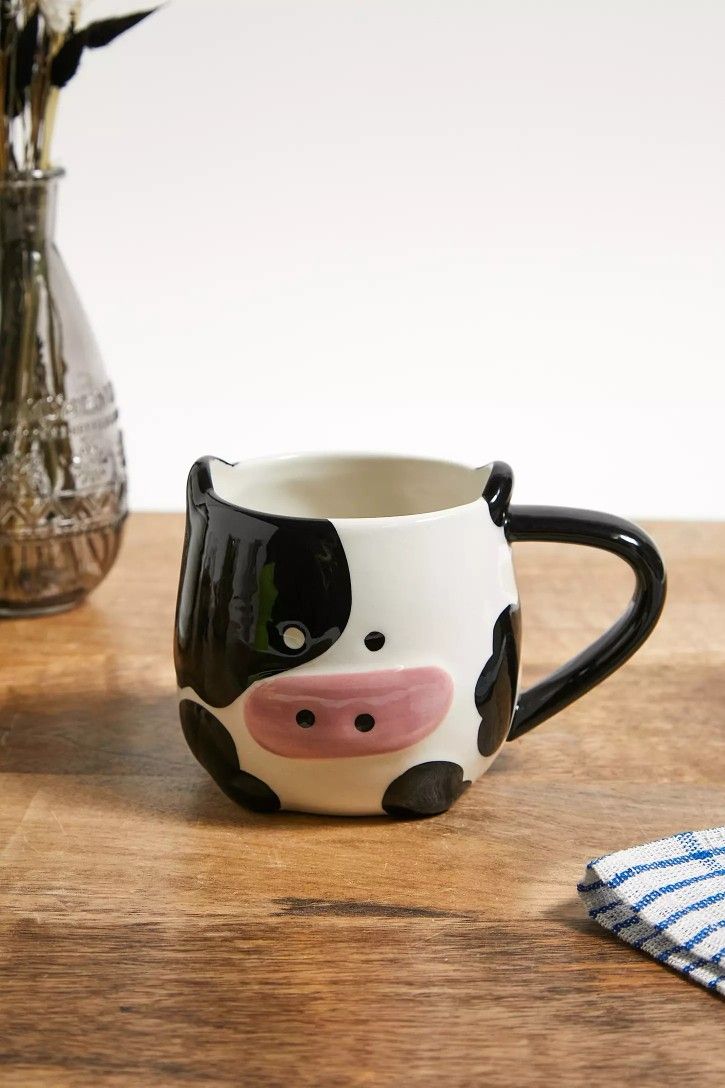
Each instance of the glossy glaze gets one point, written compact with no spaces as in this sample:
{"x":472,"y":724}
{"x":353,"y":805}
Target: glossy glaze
{"x":426,"y":789}
{"x":591,"y":666}
{"x":214,"y":747}
{"x":347,"y":714}
{"x":496,"y":687}
{"x":246,"y":578}
{"x":497,"y":491}
{"x":369,"y":662}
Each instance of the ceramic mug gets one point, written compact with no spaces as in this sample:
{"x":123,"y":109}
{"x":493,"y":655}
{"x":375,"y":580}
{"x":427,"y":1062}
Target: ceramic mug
{"x":348,"y":632}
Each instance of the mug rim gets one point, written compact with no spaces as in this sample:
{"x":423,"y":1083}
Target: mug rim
{"x":480,"y":474}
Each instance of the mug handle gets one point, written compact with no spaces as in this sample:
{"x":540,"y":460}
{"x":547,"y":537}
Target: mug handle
{"x":615,"y":646}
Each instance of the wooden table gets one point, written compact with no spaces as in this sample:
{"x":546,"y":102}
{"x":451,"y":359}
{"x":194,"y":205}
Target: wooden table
{"x":154,"y":934}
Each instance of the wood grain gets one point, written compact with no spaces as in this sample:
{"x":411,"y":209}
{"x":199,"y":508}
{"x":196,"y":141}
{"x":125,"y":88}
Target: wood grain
{"x":153,"y":934}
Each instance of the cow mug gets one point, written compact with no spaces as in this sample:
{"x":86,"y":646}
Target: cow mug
{"x":348,"y":632}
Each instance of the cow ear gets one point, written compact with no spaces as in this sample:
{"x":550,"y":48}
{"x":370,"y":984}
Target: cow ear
{"x":199,"y":482}
{"x":497,"y":490}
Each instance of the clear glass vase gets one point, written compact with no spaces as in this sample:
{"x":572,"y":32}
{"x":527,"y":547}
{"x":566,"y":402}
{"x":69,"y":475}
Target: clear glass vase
{"x":62,"y":471}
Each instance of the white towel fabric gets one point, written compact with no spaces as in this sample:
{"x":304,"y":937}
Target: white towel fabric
{"x":667,"y":898}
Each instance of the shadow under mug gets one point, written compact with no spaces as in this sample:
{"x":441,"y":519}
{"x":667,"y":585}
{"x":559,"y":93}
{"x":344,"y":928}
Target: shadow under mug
{"x":348,"y":629}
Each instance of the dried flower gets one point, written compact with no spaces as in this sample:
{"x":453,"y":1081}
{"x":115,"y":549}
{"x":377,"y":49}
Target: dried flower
{"x":41,"y":46}
{"x":59,"y":14}
{"x":93,"y":10}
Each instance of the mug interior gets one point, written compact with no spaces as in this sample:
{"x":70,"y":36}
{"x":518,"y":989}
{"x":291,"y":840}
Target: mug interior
{"x":347,"y":485}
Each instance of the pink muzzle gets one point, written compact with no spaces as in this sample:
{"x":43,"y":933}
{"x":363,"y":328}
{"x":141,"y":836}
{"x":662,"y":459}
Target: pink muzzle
{"x":347,"y":714}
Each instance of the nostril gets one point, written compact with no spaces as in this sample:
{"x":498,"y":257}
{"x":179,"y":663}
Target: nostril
{"x":305,"y":718}
{"x":364,"y":722}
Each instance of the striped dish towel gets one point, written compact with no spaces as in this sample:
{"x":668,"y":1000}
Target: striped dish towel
{"x":667,"y":898}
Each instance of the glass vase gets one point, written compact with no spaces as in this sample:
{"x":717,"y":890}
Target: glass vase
{"x":62,"y":470}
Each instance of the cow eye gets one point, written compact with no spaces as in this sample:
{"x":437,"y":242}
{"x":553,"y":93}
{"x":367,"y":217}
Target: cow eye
{"x":294,"y":637}
{"x":375,"y":640}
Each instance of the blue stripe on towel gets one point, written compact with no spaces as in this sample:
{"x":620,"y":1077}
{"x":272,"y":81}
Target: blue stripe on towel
{"x":649,"y":866}
{"x":690,"y":840}
{"x":656,"y":893}
{"x":653,"y":895}
{"x":691,"y":965}
{"x":661,"y":927}
{"x":641,"y":913}
{"x":705,"y":932}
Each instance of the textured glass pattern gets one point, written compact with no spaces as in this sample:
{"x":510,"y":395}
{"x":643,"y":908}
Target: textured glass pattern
{"x":62,"y":472}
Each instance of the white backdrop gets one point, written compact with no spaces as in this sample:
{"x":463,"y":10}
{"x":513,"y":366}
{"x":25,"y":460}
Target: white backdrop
{"x":474,"y":228}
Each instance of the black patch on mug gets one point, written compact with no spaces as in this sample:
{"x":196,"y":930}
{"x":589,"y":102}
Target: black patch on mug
{"x":245,"y":578}
{"x":496,"y":686}
{"x":425,"y":790}
{"x":497,"y":492}
{"x":212,"y":744}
